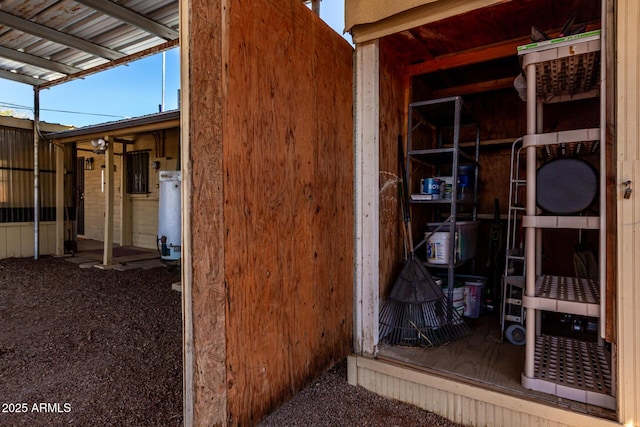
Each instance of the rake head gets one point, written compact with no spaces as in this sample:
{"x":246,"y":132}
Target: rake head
{"x":418,"y":313}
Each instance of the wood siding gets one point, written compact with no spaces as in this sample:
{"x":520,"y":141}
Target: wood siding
{"x":628,"y":210}
{"x":270,"y":203}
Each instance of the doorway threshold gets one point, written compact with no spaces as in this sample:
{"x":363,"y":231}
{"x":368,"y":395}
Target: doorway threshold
{"x":483,"y":360}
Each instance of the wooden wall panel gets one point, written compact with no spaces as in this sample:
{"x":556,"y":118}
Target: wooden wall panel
{"x":288,"y":203}
{"x":394,"y":104}
{"x":201,"y":28}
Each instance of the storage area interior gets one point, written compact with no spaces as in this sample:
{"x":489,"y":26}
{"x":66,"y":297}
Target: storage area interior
{"x":502,"y":159}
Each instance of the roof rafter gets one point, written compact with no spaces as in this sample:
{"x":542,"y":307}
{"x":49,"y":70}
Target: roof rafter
{"x":472,"y":56}
{"x":111,"y":64}
{"x":58,"y":37}
{"x":131,"y":18}
{"x":21,"y":78}
{"x":37,"y":61}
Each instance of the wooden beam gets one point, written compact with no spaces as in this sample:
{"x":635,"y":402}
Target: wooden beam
{"x":414,"y":17}
{"x":472,"y":88}
{"x":468,"y":57}
{"x":108,"y":207}
{"x":189,"y":380}
{"x":125,"y":132}
{"x":367,"y":250}
{"x":111,"y":64}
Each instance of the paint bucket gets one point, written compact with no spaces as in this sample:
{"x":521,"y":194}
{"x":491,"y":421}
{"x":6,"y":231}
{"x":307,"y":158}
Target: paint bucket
{"x":431,"y":186}
{"x":438,"y":247}
{"x":473,"y":299}
{"x":466,"y":182}
{"x":446,"y":186}
{"x":458,"y":297}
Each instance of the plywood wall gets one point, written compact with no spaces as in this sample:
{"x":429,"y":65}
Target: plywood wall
{"x":288,"y":203}
{"x":393,"y":102}
{"x":204,"y":296}
{"x":271,"y":205}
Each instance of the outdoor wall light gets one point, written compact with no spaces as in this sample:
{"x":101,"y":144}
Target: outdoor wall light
{"x":88,"y":164}
{"x":99,"y":144}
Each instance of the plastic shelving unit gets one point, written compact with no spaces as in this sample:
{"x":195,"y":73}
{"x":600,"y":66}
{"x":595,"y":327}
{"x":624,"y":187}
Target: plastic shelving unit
{"x":561,"y":70}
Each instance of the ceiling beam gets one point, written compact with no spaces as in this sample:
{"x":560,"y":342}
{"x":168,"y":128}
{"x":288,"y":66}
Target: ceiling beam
{"x":132,"y":18}
{"x":112,"y":64}
{"x":21,"y":78}
{"x":468,"y":57}
{"x":55,"y":36}
{"x":37,"y":61}
{"x":473,"y":88}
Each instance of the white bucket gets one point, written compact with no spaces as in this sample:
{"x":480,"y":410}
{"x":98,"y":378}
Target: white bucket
{"x":438,"y":248}
{"x":458,"y":299}
{"x":474,"y":290}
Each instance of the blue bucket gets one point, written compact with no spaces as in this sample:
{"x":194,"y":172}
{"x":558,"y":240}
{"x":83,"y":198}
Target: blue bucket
{"x":431,"y":186}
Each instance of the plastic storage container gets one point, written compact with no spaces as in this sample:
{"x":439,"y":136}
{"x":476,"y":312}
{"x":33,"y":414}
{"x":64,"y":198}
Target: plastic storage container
{"x":466,"y":241}
{"x":474,"y":296}
{"x":459,"y":290}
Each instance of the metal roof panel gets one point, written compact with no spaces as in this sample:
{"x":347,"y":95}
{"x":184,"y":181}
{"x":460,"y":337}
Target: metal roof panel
{"x":76,"y":24}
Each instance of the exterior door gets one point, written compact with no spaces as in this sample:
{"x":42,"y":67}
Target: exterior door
{"x":79,"y":195}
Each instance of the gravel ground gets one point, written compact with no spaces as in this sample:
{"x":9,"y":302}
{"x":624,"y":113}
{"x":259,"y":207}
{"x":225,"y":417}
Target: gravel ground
{"x":87,"y":347}
{"x":331,"y":401}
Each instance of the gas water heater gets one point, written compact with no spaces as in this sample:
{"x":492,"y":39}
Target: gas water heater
{"x":169,"y":225}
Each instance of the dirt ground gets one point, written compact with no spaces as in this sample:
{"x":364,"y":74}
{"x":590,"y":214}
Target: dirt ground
{"x":87,"y":347}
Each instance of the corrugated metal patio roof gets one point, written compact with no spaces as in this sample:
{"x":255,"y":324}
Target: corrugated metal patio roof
{"x":48,"y":42}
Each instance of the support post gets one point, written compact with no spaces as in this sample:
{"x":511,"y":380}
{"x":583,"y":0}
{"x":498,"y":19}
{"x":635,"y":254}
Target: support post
{"x":60,"y":219}
{"x":36,"y":173}
{"x":108,"y":204}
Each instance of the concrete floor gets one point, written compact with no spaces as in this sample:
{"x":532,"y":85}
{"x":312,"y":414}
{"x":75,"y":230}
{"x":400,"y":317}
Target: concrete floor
{"x":90,"y":254}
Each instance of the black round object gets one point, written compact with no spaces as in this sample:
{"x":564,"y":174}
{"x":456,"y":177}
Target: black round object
{"x":566,"y":186}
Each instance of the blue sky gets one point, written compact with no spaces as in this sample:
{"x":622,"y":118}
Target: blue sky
{"x":127,"y":91}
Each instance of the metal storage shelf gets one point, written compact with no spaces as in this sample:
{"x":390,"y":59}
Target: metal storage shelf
{"x":572,"y":369}
{"x":439,"y":156}
{"x":570,"y":295}
{"x":443,"y":118}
